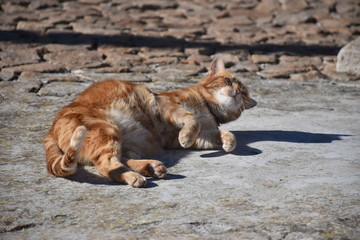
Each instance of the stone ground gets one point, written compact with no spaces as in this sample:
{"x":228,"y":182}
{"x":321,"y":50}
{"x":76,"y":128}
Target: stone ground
{"x":295,"y":172}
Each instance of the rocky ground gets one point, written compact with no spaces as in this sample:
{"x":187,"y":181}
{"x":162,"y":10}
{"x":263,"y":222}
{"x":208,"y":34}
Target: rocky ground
{"x":295,"y":172}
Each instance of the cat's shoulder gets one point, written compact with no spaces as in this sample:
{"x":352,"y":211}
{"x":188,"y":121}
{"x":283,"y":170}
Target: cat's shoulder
{"x":110,"y":86}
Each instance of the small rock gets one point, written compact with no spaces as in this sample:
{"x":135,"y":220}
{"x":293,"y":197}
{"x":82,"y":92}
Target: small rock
{"x":293,"y":5}
{"x":337,"y":26}
{"x":197,"y":60}
{"x":346,"y":7}
{"x":122,"y":60}
{"x":348,"y":59}
{"x":308,"y":76}
{"x":285,"y":18}
{"x":74,"y":59}
{"x":28,"y":75}
{"x":305,"y":30}
{"x":106,"y":49}
{"x":93,"y":76}
{"x":42,"y":67}
{"x":329,"y":59}
{"x":235,"y":21}
{"x":156,"y":53}
{"x":18,"y":55}
{"x":263,"y":20}
{"x":54,"y":47}
{"x":247,"y":4}
{"x":267,"y":6}
{"x":86,"y":28}
{"x":12,"y":7}
{"x":179,"y":71}
{"x":111,"y":69}
{"x":34,"y":5}
{"x":119,"y":56}
{"x":245,"y":66}
{"x":161,"y":60}
{"x":33,"y":26}
{"x":199,"y":51}
{"x":355,"y":30}
{"x":284,"y":70}
{"x":330,"y":72}
{"x":301,"y":61}
{"x":228,"y":59}
{"x":58,"y":77}
{"x":181,"y":33}
{"x":6,"y":76}
{"x":24,"y":84}
{"x":60,"y":89}
{"x":141,"y":69}
{"x":261,"y":58}
{"x":329,"y":67}
{"x":149,"y":5}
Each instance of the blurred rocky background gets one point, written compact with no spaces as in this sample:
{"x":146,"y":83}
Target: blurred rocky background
{"x":45,"y":43}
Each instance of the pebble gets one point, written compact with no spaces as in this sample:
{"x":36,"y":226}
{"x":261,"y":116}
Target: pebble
{"x":348,"y":59}
{"x":262,"y":58}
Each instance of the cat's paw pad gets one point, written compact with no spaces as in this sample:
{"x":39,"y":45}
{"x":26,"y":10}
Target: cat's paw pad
{"x":134,"y":179}
{"x":228,"y":141}
{"x":158,"y":169}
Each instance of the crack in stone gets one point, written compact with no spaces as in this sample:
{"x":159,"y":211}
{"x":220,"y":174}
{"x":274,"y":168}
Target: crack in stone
{"x":41,"y":53}
{"x":36,"y":89}
{"x":19,"y":228}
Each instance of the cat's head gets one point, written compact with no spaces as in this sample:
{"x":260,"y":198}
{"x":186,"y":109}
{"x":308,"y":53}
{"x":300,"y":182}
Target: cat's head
{"x":223,"y":90}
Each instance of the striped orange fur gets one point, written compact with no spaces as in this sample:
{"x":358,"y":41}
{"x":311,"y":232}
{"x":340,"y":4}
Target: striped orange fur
{"x":115,"y":125}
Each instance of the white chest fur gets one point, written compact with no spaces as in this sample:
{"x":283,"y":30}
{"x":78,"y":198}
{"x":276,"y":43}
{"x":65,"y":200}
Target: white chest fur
{"x":226,"y":101}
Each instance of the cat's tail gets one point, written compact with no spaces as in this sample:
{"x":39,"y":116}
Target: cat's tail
{"x":64,"y":164}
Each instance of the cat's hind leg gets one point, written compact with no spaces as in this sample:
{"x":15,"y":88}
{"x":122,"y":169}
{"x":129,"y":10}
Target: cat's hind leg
{"x":147,"y":168}
{"x":138,"y":144}
{"x":109,"y":166}
{"x":103,"y":148}
{"x":64,"y":164}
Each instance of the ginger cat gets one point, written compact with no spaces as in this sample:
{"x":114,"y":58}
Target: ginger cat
{"x":115,"y":125}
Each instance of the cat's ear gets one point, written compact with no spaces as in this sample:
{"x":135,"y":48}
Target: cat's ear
{"x":250,"y":103}
{"x":216,"y":66}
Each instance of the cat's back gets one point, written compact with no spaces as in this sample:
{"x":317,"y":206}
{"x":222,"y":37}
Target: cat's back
{"x":102,"y":94}
{"x":102,"y":97}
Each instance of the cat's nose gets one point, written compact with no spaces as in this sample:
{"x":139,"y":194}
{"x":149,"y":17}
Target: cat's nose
{"x":238,"y":91}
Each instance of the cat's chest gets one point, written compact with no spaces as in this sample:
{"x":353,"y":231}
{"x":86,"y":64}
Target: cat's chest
{"x":207,"y":121}
{"x":227,"y":102}
{"x":127,"y":121}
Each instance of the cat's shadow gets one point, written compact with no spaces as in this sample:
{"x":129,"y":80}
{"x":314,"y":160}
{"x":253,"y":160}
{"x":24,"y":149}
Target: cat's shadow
{"x":84,"y":176}
{"x":244,"y":138}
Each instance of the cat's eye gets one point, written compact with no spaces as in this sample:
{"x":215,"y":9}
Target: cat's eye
{"x":228,"y":81}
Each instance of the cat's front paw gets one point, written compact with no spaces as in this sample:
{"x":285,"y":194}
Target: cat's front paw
{"x":188,"y":136}
{"x":134,"y":179}
{"x":228,"y":141}
{"x":185,"y":141}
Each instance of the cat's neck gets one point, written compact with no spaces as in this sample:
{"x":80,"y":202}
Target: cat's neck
{"x":221,"y":113}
